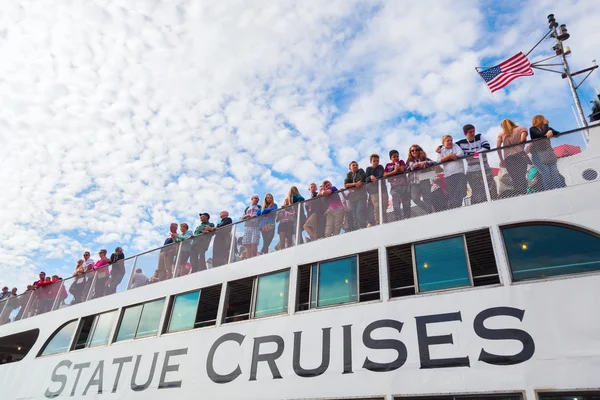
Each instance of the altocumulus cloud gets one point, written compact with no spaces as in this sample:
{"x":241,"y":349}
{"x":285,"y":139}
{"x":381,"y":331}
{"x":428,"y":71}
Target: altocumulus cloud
{"x":118,"y":117}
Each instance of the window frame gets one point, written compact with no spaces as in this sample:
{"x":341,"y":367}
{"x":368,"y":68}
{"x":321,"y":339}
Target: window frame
{"x":559,"y":224}
{"x":318,"y":283}
{"x":566,"y":393}
{"x":92,"y":331}
{"x":415,"y":268}
{"x":171,"y":307}
{"x":254,"y":294}
{"x":56,"y":331}
{"x":115,"y":333}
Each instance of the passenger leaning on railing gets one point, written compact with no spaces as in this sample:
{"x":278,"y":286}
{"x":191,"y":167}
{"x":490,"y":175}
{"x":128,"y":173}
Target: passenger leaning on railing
{"x":417,"y":160}
{"x":251,"y":229}
{"x":334,"y":216}
{"x":184,"y":253}
{"x":542,"y":153}
{"x":472,"y":144}
{"x":514,"y":158}
{"x":454,"y":171}
{"x":102,"y":274}
{"x":222,"y":244}
{"x":315,"y":214}
{"x":79,"y":283}
{"x":399,"y":188}
{"x":286,"y":228}
{"x":357,"y":196}
{"x":202,"y":237}
{"x":267,"y":222}
{"x":166,"y":259}
{"x":117,"y":272}
{"x":374,"y":173}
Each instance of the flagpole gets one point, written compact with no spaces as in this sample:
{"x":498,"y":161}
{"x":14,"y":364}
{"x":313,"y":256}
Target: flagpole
{"x":560,"y":36}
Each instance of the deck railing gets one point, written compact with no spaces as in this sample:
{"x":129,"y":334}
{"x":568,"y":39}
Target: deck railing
{"x":409,"y":195}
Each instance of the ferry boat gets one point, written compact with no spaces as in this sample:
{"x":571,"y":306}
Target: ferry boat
{"x":494,"y":299}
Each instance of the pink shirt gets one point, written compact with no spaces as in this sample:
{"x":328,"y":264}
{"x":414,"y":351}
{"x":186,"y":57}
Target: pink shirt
{"x":100,"y":263}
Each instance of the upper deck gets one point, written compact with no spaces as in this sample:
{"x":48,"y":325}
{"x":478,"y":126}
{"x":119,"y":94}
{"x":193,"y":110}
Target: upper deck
{"x":391,"y":291}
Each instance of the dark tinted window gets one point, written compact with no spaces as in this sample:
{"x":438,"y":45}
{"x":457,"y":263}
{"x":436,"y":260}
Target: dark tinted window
{"x":570,"y":396}
{"x":541,"y":250}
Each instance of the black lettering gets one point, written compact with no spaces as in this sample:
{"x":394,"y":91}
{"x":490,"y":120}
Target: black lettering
{"x":325,"y":355}
{"x":347,"y":349}
{"x":210,"y":370}
{"x":59,"y":378}
{"x":96,"y":381}
{"x":78,"y":368}
{"x":138,"y":388}
{"x":384,"y":344}
{"x":426,"y":341}
{"x":503,"y":334}
{"x":163,"y":384}
{"x":269,"y":358}
{"x":119,"y":361}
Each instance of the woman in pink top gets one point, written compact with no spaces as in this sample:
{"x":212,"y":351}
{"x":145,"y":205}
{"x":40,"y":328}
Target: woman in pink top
{"x":334,"y":216}
{"x":102,"y":274}
{"x":515,"y":159}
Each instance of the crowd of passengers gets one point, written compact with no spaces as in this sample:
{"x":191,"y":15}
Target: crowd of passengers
{"x":527,"y":169}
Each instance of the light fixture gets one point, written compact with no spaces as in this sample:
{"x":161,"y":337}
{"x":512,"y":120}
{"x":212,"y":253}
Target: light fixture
{"x":552,"y":22}
{"x":425,"y":265}
{"x":562,"y":33}
{"x":280,"y":294}
{"x":19,"y":348}
{"x":346,"y":280}
{"x":524,"y":247}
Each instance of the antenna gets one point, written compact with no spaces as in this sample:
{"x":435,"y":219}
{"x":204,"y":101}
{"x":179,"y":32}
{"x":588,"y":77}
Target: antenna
{"x":560,"y":34}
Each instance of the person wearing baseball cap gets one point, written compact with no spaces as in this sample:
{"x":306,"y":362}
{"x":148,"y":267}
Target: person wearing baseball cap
{"x":202,"y":238}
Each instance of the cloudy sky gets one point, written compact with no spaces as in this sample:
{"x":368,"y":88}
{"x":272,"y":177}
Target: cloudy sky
{"x":120,"y":116}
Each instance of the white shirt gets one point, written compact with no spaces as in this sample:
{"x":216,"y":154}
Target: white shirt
{"x":138,"y":280}
{"x":89,"y":263}
{"x":452,"y":167}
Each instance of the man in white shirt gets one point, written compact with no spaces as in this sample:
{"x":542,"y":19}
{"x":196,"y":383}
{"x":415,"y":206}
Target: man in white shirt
{"x":454,"y":171}
{"x":138,"y":279}
{"x":88,"y":262}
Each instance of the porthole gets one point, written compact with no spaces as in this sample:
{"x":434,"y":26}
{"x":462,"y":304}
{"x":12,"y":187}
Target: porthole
{"x":589,"y":174}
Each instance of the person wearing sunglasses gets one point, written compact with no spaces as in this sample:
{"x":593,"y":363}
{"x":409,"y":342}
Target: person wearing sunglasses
{"x":420,"y":187}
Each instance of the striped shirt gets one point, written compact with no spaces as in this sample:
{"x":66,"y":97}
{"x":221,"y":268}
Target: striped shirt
{"x":478,"y":144}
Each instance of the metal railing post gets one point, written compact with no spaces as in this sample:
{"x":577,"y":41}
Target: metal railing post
{"x":298,"y":227}
{"x":26,"y":309}
{"x":91,"y":286}
{"x":380,"y":202}
{"x":62,"y":284}
{"x":176,"y":272}
{"x":131,"y":273}
{"x":233,"y":243}
{"x":484,"y":176}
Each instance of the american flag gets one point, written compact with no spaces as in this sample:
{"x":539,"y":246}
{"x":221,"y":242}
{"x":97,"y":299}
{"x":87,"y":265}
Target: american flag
{"x":501,"y":75}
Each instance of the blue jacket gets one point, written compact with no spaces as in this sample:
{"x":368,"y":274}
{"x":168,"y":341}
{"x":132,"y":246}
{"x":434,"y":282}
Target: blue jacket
{"x":267,"y":218}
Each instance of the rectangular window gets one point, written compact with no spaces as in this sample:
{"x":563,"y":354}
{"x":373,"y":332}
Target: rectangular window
{"x":194,"y":309}
{"x":272,"y":294}
{"x":183,"y":315}
{"x":257,"y":296}
{"x":337,"y":282}
{"x":442,"y":264}
{"x":345,"y":280}
{"x":509,"y":396}
{"x":94,"y":330}
{"x":575,"y":395}
{"x":448,"y":254}
{"x":141,"y":320}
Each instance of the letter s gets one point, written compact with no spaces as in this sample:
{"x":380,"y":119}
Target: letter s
{"x":62,"y":379}
{"x":387,"y":344}
{"x":503,"y":334}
